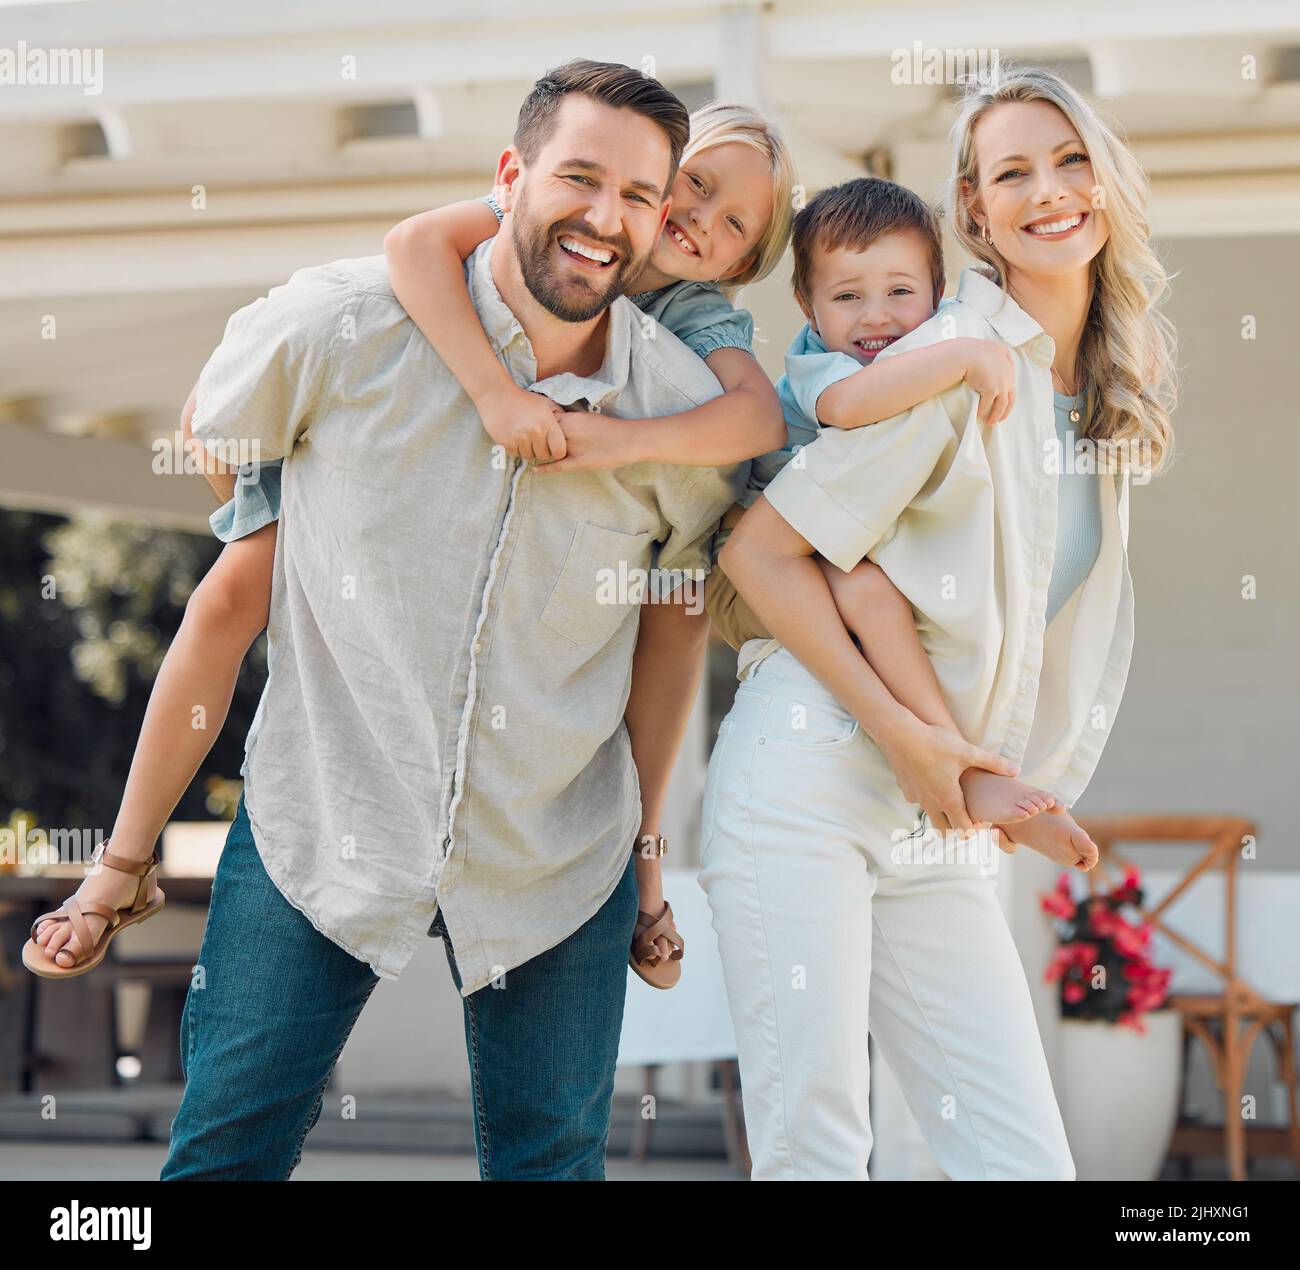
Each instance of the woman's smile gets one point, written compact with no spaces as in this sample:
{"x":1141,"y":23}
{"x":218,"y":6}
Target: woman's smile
{"x":1056,"y":226}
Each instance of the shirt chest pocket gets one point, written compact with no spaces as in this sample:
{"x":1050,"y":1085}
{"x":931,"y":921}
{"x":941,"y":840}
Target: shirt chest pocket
{"x":603,"y":579}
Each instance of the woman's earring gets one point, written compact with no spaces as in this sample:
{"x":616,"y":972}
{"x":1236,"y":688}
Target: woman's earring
{"x":984,"y":234}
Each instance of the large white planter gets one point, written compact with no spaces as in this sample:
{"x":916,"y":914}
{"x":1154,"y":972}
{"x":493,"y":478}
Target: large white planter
{"x":1118,"y":1095}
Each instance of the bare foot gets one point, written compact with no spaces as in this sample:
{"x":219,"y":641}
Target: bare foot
{"x":999,"y":800}
{"x":1058,"y":836}
{"x":108,"y":886}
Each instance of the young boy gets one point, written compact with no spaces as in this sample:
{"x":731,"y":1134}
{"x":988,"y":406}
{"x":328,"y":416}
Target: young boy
{"x":868,"y":270}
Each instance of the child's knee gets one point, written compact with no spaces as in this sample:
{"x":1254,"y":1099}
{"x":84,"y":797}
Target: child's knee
{"x":868,"y":586}
{"x":227,"y":599}
{"x":865,"y":592}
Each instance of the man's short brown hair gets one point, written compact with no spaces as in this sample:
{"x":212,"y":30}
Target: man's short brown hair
{"x":856,"y":214}
{"x":609,"y":82}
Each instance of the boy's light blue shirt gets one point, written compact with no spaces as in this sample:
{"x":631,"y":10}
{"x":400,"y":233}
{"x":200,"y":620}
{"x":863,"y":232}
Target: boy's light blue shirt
{"x":809,"y":370}
{"x":698,"y":313}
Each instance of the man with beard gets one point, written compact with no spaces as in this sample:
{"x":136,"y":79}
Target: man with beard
{"x":441,"y":746}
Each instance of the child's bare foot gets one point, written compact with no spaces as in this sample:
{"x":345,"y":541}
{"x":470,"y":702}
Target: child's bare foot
{"x":1058,"y":836}
{"x":998,"y":800}
{"x":108,"y":886}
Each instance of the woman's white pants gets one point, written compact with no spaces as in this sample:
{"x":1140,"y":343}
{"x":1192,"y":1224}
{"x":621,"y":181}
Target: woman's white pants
{"x":835,"y":918}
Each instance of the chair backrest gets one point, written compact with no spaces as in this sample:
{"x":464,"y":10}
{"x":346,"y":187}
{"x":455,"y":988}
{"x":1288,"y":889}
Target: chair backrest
{"x":1224,"y":837}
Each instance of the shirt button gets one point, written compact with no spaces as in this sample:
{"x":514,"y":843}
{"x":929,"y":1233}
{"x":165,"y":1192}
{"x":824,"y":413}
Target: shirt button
{"x":476,"y":648}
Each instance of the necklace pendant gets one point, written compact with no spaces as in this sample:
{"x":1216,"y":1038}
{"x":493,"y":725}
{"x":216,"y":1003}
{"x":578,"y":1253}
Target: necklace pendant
{"x":1075,"y":416}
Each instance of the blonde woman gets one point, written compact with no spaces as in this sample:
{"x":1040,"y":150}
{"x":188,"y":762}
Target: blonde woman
{"x":838,"y":910}
{"x":727,"y":226}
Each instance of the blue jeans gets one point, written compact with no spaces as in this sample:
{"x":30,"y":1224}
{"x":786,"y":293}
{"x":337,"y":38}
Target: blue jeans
{"x":260,"y":1037}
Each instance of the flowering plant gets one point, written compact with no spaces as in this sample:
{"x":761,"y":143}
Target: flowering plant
{"x":1102,"y":962}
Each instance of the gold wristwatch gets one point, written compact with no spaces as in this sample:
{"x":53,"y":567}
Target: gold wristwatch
{"x":651,"y":844}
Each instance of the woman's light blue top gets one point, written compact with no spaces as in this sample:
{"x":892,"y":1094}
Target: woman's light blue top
{"x":1078,"y":512}
{"x":697,"y":313}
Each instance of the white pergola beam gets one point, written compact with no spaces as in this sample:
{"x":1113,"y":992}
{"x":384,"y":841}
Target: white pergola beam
{"x":363,"y":66}
{"x":879,"y":28}
{"x":1182,"y":68}
{"x":148,"y":264}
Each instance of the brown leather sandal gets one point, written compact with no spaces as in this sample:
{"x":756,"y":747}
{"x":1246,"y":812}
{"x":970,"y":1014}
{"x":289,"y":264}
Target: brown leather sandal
{"x":646,"y":960}
{"x":148,"y":900}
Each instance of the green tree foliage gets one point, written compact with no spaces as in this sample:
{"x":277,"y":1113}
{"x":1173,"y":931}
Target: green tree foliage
{"x":88,"y":607}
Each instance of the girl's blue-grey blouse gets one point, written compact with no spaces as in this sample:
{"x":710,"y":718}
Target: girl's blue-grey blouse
{"x":698,"y":313}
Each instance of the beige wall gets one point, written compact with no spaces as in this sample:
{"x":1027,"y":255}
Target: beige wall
{"x":1208,"y":723}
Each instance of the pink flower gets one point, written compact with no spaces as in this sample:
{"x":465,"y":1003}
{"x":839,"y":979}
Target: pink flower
{"x":1086,"y":955}
{"x":1060,"y":903}
{"x":1059,"y":964}
{"x":1073,"y":992}
{"x":1102,"y":920}
{"x":1129,"y":940}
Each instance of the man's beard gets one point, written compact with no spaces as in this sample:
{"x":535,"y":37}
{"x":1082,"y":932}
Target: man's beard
{"x":532,"y":243}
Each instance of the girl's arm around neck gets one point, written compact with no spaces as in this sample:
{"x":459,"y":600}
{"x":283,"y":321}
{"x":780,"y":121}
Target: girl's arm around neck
{"x":744,"y":422}
{"x":426,"y":264}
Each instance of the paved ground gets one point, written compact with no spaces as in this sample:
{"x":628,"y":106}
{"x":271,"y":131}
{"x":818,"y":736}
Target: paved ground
{"x":140,"y":1162}
{"x":121,"y":1135}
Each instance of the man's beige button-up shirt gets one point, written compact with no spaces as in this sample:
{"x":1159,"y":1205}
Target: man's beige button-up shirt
{"x":962,"y":518}
{"x":450,"y":644}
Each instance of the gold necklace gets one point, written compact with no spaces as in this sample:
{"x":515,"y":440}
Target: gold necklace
{"x":1075,"y":416}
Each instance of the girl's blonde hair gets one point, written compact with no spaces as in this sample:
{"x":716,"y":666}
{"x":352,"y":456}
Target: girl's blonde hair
{"x":1126,"y":354}
{"x":718,"y":123}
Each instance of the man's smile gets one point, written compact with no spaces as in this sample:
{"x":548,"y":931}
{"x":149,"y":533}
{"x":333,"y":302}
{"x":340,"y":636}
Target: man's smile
{"x":587,"y":254}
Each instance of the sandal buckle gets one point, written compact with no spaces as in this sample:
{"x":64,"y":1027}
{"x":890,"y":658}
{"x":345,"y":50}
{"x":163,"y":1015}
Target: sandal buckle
{"x":651,"y":845}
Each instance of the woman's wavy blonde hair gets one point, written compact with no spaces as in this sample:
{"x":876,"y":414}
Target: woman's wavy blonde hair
{"x":1126,"y":354}
{"x":719,"y":123}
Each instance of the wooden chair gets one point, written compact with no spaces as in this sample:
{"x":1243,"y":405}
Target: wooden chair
{"x":1228,"y":1023}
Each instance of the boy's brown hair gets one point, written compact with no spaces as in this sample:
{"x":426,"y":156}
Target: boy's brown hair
{"x":855,"y":214}
{"x":609,"y":82}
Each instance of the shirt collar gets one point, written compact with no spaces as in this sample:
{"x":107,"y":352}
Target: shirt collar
{"x":977,"y":288}
{"x":805,"y":342}
{"x":503,"y":328}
